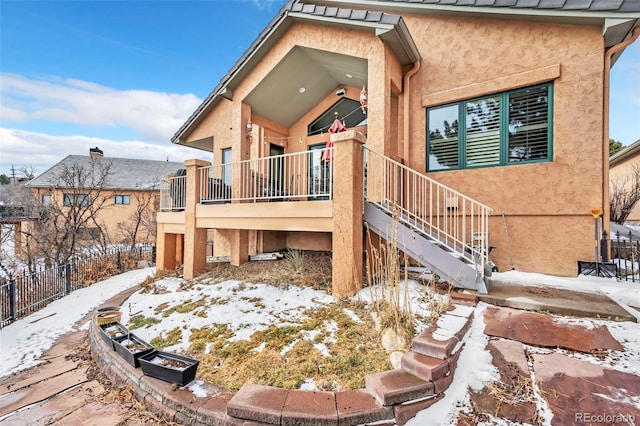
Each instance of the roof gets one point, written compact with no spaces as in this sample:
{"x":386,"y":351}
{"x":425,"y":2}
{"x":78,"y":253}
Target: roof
{"x":126,"y":173}
{"x":358,"y":13}
{"x":388,"y":27}
{"x":624,"y":6}
{"x":625,"y":153}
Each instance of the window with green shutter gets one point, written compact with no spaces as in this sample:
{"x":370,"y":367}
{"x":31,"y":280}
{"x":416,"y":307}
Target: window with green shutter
{"x":497,"y":130}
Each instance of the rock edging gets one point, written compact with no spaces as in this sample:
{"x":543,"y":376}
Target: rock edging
{"x":391,"y":397}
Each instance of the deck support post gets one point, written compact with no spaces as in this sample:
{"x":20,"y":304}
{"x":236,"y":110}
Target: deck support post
{"x":347,"y":236}
{"x":195,"y":239}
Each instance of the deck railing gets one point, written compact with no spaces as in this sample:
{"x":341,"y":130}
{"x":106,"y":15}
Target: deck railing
{"x":443,"y":214}
{"x":173,"y":193}
{"x":288,"y":177}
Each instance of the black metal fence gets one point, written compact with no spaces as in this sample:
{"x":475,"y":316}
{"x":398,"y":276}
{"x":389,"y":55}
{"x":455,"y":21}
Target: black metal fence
{"x":624,"y":254}
{"x":26,"y":292}
{"x":623,"y":263}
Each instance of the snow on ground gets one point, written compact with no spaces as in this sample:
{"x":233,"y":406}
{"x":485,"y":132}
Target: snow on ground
{"x":625,"y":293}
{"x":248,"y":307}
{"x":22,"y":342}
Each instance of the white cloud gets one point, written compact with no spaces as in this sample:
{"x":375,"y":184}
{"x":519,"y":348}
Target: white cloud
{"x":41,"y":151}
{"x":153,"y":116}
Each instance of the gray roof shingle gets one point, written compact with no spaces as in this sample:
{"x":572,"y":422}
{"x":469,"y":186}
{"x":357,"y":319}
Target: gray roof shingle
{"x":568,"y":5}
{"x":126,"y":173}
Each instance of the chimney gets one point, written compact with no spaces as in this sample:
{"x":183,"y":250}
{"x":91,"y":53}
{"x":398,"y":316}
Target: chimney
{"x":95,"y":152}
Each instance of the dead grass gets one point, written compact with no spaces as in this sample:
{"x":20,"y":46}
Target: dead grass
{"x":303,"y":268}
{"x":286,"y":356}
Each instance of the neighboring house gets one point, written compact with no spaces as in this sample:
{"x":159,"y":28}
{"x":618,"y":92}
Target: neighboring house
{"x":129,"y":183}
{"x":483,"y":122}
{"x":623,"y":165}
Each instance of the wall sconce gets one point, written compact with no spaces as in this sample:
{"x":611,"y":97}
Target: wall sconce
{"x":249,"y":129}
{"x":363,"y":100}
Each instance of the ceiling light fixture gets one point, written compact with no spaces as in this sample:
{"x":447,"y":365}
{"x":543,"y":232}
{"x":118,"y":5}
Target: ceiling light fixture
{"x":349,"y":75}
{"x":302,"y":90}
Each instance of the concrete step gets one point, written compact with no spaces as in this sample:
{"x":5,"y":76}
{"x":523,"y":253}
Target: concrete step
{"x":397,"y":386}
{"x":441,"y":338}
{"x":424,"y":367}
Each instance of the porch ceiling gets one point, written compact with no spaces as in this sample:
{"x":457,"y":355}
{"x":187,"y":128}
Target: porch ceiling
{"x":279,"y":96}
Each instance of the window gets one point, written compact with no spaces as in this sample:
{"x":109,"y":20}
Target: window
{"x":349,"y":112}
{"x":502,"y":129}
{"x":81,"y":200}
{"x":46,"y":200}
{"x":226,"y":166}
{"x":122,"y":199}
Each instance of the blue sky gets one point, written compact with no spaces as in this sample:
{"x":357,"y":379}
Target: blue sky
{"x":124,"y":75}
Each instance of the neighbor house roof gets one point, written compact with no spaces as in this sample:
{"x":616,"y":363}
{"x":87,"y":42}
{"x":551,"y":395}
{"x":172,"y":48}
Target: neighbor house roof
{"x":125,"y":173}
{"x":629,"y":151}
{"x":356,"y":13}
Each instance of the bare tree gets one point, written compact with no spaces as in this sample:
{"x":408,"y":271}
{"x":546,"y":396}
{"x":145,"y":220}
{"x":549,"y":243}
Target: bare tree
{"x":71,"y":216}
{"x":139,"y":220}
{"x":624,"y":195}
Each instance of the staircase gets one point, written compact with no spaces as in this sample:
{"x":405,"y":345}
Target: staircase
{"x":442,"y":229}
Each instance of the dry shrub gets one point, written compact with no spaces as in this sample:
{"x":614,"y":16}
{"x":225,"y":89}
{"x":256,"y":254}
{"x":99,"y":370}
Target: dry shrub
{"x":390,"y":298}
{"x":304,"y":268}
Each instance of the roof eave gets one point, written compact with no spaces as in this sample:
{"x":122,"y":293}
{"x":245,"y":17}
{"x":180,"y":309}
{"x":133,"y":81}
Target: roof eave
{"x":396,"y":35}
{"x":592,"y":16}
{"x":627,"y":152}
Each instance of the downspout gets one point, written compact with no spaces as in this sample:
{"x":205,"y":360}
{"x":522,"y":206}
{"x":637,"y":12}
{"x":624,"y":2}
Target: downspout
{"x":405,"y":127}
{"x":605,"y":124}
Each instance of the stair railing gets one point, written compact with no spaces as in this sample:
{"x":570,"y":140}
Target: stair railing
{"x":443,"y":214}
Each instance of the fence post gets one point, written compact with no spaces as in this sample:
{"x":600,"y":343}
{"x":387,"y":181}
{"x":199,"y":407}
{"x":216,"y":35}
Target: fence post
{"x":153,"y":253}
{"x":67,"y":277}
{"x":12,"y":297}
{"x":119,"y":263}
{"x":604,"y":247}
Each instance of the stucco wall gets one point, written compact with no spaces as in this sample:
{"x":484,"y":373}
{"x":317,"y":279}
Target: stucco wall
{"x":546,"y":205}
{"x":110,"y":215}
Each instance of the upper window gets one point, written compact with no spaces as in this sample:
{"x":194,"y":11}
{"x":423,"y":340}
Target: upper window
{"x":347,"y":110}
{"x":81,"y":200}
{"x":46,"y":200}
{"x":122,"y":199}
{"x":497,"y":130}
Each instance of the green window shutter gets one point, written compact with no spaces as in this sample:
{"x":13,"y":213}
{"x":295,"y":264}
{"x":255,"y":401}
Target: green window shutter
{"x":483,"y":132}
{"x":529,"y":131}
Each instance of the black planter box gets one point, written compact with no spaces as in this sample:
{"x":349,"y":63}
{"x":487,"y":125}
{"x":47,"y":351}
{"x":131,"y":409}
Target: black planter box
{"x":131,"y":357}
{"x":151,"y":366}
{"x":112,"y":331}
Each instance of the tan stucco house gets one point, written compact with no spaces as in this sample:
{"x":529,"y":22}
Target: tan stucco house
{"x":624,"y":165}
{"x":470,"y":124}
{"x":128,"y":185}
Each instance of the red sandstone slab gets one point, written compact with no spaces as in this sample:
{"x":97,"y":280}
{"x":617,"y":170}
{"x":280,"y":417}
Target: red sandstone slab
{"x":396,"y":386}
{"x":65,"y":406}
{"x":541,"y":330}
{"x":258,"y":403}
{"x":581,"y":392}
{"x":408,"y":410}
{"x":310,"y":408}
{"x":425,"y":367}
{"x":425,"y":344}
{"x":360,"y":407}
{"x":512,"y":353}
{"x":464,"y":298}
{"x":41,"y":390}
